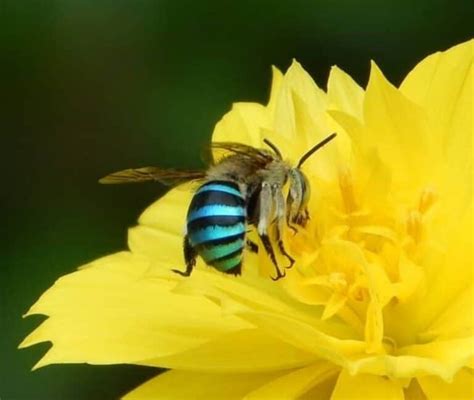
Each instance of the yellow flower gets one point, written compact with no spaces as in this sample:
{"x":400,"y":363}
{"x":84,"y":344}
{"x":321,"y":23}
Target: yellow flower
{"x":380,"y":302}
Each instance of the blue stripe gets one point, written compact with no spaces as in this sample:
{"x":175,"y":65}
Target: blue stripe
{"x":216,"y":210}
{"x":215,"y":252}
{"x":216,"y":187}
{"x":215,"y":232}
{"x":225,"y":265}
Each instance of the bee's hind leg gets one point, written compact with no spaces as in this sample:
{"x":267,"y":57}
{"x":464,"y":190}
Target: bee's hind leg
{"x":252,"y":246}
{"x":190,"y":255}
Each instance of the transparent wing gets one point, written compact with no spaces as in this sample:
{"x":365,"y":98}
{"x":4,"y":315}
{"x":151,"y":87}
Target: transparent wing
{"x":259,"y":157}
{"x":146,"y":174}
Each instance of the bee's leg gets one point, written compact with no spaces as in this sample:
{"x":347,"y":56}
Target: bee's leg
{"x":264,"y":220}
{"x":252,"y":246}
{"x":292,"y":227}
{"x":269,"y":249}
{"x":283,"y":250}
{"x":280,"y":211}
{"x":306,"y":216}
{"x":301,"y":221}
{"x":290,"y":224}
{"x":190,"y":255}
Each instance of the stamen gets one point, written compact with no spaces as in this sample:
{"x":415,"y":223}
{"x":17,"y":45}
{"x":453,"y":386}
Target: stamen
{"x":346,"y":186}
{"x":427,"y":198}
{"x":414,"y":225}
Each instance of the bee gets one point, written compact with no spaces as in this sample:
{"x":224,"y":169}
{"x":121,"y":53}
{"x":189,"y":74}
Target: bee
{"x":244,"y":189}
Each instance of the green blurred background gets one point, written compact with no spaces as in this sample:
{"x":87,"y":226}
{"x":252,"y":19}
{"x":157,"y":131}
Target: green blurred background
{"x":89,"y":87}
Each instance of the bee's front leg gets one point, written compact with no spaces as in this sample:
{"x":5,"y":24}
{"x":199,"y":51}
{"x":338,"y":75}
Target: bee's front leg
{"x":280,"y":215}
{"x":265,"y":218}
{"x":190,"y":255}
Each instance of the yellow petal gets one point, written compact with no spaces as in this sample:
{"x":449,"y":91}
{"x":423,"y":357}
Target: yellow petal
{"x":311,"y":130}
{"x":454,"y":321}
{"x":443,"y":359}
{"x":365,"y":387}
{"x":461,"y":388}
{"x":334,"y":304}
{"x":377,"y":288}
{"x":248,"y":350}
{"x":373,"y":175}
{"x":304,"y":86}
{"x":297,"y":82}
{"x":304,"y":336}
{"x":294,"y":384}
{"x":344,"y":94}
{"x":265,"y":305}
{"x":354,"y":129}
{"x":173,"y":385}
{"x":398,"y":130}
{"x":434,"y":81}
{"x":242,"y":124}
{"x":112,"y":312}
{"x":440,"y":275}
{"x":160,"y":232}
{"x":410,"y":279}
{"x":164,"y":248}
{"x":447,"y":270}
{"x":277,"y":79}
{"x":448,"y":356}
{"x":442,"y":84}
{"x":168,"y":214}
{"x":321,"y":391}
{"x":249,"y":290}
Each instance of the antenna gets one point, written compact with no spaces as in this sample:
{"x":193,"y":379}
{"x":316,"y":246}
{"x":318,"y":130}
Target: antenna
{"x":273,"y":147}
{"x":315,"y":148}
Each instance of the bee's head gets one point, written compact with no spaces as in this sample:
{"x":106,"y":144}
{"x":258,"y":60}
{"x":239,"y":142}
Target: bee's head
{"x":300,"y":190}
{"x":298,"y":197}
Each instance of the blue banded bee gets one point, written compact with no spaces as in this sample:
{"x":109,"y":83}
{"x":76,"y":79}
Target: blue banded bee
{"x":243,"y":189}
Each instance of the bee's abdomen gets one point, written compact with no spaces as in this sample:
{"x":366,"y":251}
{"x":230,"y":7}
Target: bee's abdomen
{"x":216,"y":225}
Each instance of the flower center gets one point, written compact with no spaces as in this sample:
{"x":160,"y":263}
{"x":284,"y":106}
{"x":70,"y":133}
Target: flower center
{"x":354,"y":256}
